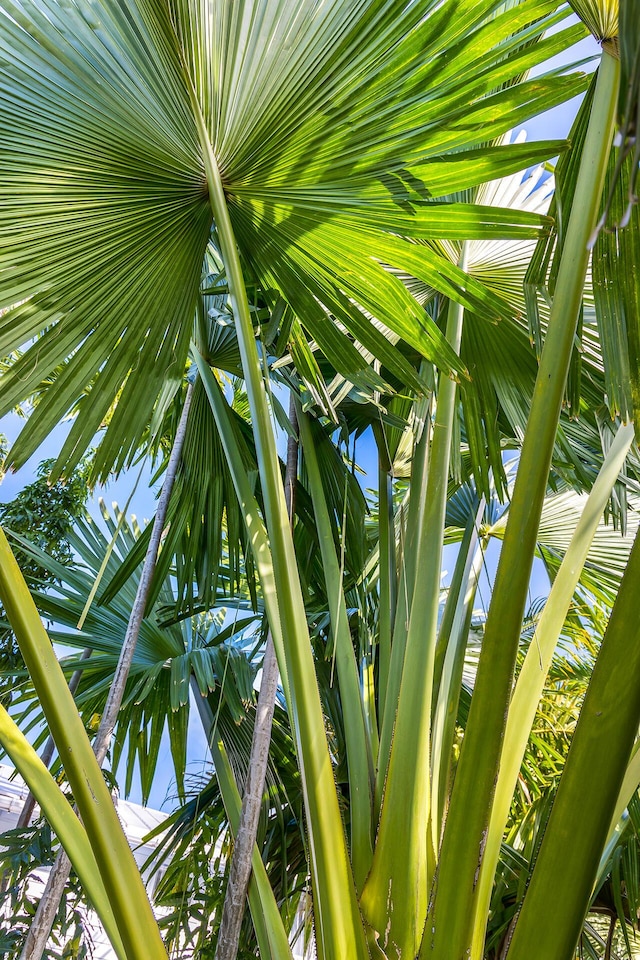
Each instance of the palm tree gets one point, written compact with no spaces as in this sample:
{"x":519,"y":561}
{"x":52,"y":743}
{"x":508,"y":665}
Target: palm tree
{"x":309,"y":148}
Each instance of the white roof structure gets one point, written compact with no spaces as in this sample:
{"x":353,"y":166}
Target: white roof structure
{"x":137,"y":822}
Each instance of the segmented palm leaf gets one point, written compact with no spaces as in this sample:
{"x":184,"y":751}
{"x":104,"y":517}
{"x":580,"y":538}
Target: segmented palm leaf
{"x":317,"y":117}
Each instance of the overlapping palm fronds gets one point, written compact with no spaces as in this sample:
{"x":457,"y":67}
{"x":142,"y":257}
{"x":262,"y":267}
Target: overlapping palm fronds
{"x":303,"y":150}
{"x":211,"y":646}
{"x":121,"y":223}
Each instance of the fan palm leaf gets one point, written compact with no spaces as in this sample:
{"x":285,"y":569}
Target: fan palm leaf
{"x":106,"y":211}
{"x":204,"y":541}
{"x":601,"y":16}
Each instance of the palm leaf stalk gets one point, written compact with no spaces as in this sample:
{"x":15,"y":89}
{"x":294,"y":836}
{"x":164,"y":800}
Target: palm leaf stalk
{"x":531,"y":679}
{"x":599,"y":754}
{"x":461,"y":592}
{"x":24,"y":818}
{"x":122,"y":881}
{"x":394,"y":899}
{"x":247,"y":831}
{"x":448,"y":927}
{"x":391,"y":443}
{"x":387,"y":548}
{"x":394,"y":447}
{"x":452,"y":643}
{"x":628,"y":788}
{"x":36,"y":940}
{"x":64,"y":823}
{"x":358,"y":746}
{"x":339,"y":925}
{"x":620,"y":816}
{"x":49,"y":903}
{"x":406,"y":584}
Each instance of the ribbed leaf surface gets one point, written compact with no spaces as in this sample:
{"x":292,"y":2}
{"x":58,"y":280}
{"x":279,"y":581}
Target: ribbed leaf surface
{"x":333,"y":126}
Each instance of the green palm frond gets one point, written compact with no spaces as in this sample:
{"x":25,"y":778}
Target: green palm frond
{"x":499,"y":356}
{"x":616,"y":287}
{"x":204,"y":545}
{"x":215,"y":648}
{"x":609,"y":553}
{"x":326,"y":126}
{"x":107,"y":214}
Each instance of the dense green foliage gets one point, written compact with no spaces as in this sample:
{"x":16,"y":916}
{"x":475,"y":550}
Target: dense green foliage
{"x":44,"y":513}
{"x":320,"y":200}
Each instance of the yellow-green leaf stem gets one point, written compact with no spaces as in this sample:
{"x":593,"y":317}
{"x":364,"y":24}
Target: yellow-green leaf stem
{"x":120,"y":874}
{"x":531,"y":679}
{"x":359,"y":761}
{"x":63,"y":821}
{"x":394,"y":900}
{"x":561,"y":884}
{"x":339,"y":925}
{"x":461,"y":585}
{"x":406,"y":583}
{"x":449,"y":929}
{"x":249,"y":505}
{"x":619,"y":818}
{"x":387,"y":590}
{"x":452,"y":641}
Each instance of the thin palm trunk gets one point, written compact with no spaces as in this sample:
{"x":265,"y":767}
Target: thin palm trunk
{"x":240,"y":868}
{"x":241,"y":858}
{"x":271,"y":935}
{"x":40,"y":929}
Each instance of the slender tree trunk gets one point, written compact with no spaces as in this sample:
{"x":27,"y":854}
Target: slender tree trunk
{"x":240,"y":868}
{"x":50,"y":901}
{"x":609,"y":946}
